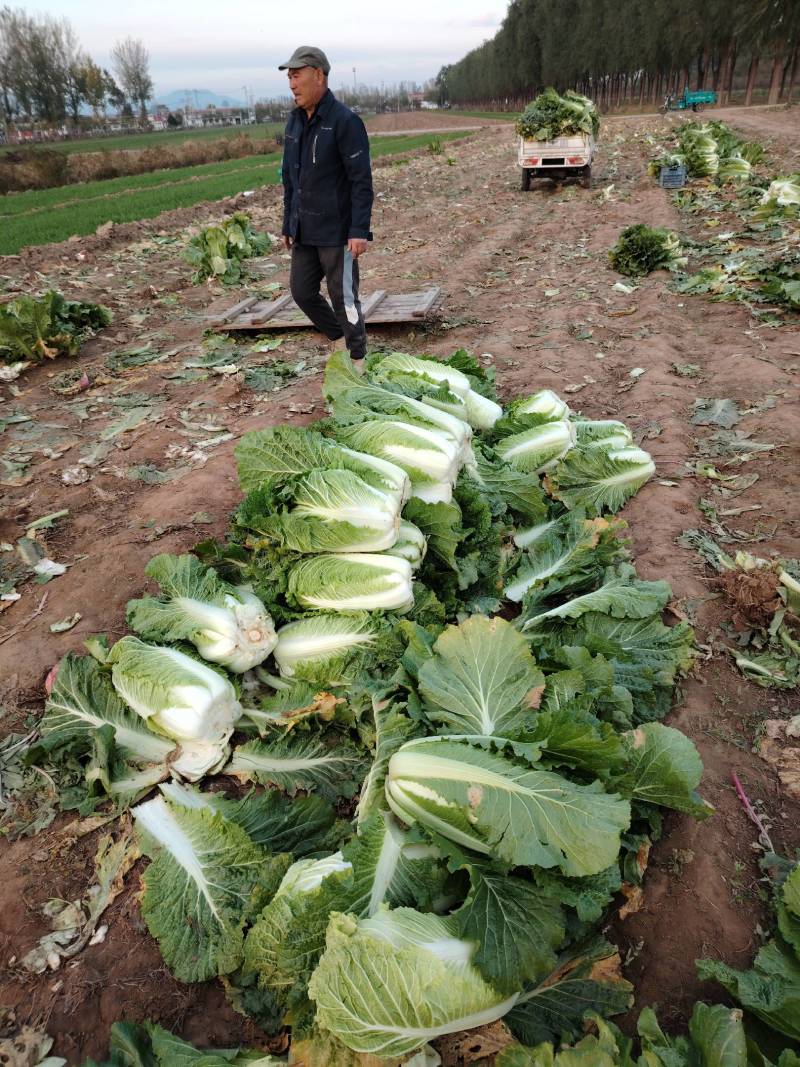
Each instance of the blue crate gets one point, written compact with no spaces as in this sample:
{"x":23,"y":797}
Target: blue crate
{"x":672,"y":177}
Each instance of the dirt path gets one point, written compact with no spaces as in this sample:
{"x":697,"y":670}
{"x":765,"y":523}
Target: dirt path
{"x":525,"y":279}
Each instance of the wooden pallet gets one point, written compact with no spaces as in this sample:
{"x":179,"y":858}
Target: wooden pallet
{"x":253,"y":313}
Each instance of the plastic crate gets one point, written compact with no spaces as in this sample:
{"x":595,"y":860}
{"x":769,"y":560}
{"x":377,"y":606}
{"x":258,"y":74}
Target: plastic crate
{"x":672,"y":177}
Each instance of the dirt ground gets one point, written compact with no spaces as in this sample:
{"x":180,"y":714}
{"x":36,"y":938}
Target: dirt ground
{"x":526,"y":280}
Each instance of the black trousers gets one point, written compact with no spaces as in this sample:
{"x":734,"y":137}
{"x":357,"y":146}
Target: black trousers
{"x":312,"y":263}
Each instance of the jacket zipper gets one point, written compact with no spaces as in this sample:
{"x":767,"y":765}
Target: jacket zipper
{"x":314,"y":149}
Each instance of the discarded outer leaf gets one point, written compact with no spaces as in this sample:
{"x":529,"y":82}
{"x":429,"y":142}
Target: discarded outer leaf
{"x":46,"y":521}
{"x":475,"y":1046}
{"x":28,"y":1046}
{"x":74,"y":925}
{"x":51,"y":677}
{"x":48,"y":568}
{"x":717,"y":412}
{"x":634,"y":899}
{"x":785,"y":759}
{"x":65,"y":624}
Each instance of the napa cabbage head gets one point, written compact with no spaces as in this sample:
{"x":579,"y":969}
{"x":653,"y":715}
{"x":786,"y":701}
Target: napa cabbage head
{"x":539,"y":448}
{"x":388,"y":984}
{"x":352,"y":581}
{"x":355,"y":399}
{"x":399,"y":368}
{"x":180,"y":698}
{"x":429,"y":457}
{"x":411,"y":544}
{"x":227,"y":624}
{"x":544,"y":402}
{"x":321,"y":648}
{"x":783,"y":192}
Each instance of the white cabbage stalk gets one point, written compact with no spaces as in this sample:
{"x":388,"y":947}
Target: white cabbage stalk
{"x":434,"y":492}
{"x":353,"y":581}
{"x":238,"y":636}
{"x":411,"y":544}
{"x":538,"y":449}
{"x":177,"y":697}
{"x":320,"y":639}
{"x":545,"y":402}
{"x":526,"y":538}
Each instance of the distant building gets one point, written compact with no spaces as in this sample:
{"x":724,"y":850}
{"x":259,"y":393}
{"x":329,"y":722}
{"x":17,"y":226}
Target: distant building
{"x":195,"y":118}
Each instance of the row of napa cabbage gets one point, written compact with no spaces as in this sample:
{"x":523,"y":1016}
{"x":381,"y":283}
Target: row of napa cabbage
{"x":509,"y":776}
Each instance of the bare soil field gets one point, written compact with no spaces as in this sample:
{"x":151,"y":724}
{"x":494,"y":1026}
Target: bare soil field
{"x":142,"y":458}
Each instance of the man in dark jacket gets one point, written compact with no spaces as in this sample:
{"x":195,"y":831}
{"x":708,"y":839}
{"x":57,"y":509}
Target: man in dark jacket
{"x":327,"y":200}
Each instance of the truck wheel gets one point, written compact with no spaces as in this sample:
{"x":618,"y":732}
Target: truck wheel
{"x":586,"y":177}
{"x":526,"y":179}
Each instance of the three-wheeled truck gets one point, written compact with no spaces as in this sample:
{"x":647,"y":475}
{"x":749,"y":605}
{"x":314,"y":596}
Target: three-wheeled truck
{"x":688,"y":101}
{"x":563,"y":157}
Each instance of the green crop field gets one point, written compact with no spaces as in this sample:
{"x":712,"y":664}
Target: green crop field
{"x":48,"y":215}
{"x":156,"y":139}
{"x":507,"y":116}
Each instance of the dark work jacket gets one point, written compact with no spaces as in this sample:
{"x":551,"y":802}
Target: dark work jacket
{"x":327,"y":178}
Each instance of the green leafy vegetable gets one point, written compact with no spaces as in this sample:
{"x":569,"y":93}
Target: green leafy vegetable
{"x":36,"y":328}
{"x":218,"y":250}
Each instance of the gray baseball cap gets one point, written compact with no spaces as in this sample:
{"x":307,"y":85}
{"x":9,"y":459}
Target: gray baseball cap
{"x":307,"y":56}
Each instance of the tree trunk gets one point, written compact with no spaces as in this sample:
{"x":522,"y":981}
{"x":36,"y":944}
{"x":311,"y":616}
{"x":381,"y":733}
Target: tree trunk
{"x":752,"y":74}
{"x":777,"y":73}
{"x":728,"y":86}
{"x":723,"y":71}
{"x":793,"y":76}
{"x":701,"y":68}
{"x":791,"y":59}
{"x":716,"y":71}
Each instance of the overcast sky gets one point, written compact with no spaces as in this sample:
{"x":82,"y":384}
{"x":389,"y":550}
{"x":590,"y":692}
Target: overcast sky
{"x":208,"y":44}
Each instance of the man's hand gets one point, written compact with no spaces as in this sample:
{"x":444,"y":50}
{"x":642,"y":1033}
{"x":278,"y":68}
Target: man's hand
{"x":287,"y":242}
{"x":357,"y":246}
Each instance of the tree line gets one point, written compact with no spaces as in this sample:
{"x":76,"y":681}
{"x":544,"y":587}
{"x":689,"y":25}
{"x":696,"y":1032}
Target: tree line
{"x":631,"y":51}
{"x":46,"y":76}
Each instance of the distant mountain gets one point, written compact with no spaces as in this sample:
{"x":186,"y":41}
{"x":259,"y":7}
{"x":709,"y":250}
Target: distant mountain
{"x":199,"y":98}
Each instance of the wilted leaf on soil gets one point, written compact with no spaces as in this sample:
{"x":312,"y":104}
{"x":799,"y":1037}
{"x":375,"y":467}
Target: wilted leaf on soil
{"x":717,"y":412}
{"x":783,"y":757}
{"x":28,"y":1047}
{"x":151,"y":475}
{"x":134,"y":418}
{"x":73,"y":923}
{"x":28,"y":796}
{"x":65,"y":624}
{"x":735,"y":443}
{"x":686,"y":370}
